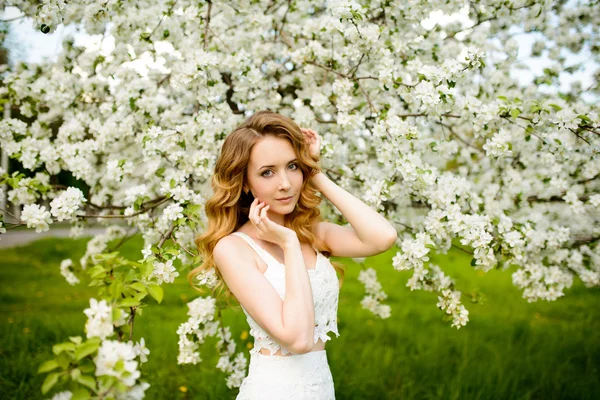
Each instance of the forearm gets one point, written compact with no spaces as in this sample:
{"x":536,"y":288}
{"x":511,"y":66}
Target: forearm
{"x":298,"y":314}
{"x":370,"y":227}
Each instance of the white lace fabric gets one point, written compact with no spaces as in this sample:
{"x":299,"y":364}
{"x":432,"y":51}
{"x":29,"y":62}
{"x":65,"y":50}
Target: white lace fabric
{"x":325,"y":290}
{"x":299,"y":377}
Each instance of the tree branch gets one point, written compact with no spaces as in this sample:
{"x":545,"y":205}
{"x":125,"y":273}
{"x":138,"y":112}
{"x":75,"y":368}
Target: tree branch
{"x":207,"y":24}
{"x":124,"y":216}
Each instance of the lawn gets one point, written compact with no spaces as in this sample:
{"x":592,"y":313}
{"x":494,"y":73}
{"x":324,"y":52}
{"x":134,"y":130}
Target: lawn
{"x":510,"y":349}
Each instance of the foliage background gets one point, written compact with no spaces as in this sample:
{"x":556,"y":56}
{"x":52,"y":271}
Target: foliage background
{"x":510,"y":350}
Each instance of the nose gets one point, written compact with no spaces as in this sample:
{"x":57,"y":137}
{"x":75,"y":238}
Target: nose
{"x":285,"y":183}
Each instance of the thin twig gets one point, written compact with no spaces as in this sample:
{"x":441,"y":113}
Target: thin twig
{"x":165,"y":236}
{"x":580,"y":137}
{"x":283,"y":20}
{"x":124,"y":216}
{"x":373,"y":110}
{"x":177,"y":243}
{"x":161,"y":18}
{"x":207,"y":24}
{"x":11,"y":214}
{"x":131,"y":320}
{"x":12,"y":19}
{"x":456,"y":135}
{"x":123,"y":239}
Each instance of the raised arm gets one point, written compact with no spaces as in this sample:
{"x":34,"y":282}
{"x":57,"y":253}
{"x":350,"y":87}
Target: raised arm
{"x":290,"y":322}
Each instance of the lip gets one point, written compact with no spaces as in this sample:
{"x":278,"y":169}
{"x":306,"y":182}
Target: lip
{"x":284,"y":198}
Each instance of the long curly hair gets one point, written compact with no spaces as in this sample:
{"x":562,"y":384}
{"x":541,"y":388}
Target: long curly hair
{"x":228,"y":208}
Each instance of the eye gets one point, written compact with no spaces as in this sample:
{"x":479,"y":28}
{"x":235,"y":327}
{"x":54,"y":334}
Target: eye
{"x":266,"y":176}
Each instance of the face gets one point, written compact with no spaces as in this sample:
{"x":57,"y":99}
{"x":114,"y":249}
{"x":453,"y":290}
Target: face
{"x":274,"y":173}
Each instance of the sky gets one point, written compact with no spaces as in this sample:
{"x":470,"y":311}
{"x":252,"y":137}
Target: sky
{"x":31,"y":45}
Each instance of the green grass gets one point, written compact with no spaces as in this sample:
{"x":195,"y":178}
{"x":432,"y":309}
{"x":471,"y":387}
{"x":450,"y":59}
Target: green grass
{"x":510,"y":349}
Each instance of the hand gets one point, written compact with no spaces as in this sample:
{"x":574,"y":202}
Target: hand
{"x":313,"y":140}
{"x":267,"y":229}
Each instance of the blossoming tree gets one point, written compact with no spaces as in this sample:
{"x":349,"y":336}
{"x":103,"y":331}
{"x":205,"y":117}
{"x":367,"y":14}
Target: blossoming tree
{"x":426,"y":123}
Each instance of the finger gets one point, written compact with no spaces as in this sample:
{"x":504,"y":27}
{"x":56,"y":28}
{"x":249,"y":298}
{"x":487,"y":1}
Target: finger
{"x":255,"y":216}
{"x":263,"y":214}
{"x":251,"y":209}
{"x":259,"y":209}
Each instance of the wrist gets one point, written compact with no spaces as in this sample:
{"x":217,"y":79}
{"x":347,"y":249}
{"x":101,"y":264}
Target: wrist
{"x":318,"y":179}
{"x":290,"y":241}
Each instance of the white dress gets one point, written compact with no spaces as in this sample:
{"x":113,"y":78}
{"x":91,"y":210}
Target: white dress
{"x":297,"y":376}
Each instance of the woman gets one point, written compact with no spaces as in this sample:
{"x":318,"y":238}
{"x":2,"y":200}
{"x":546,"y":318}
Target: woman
{"x":265,"y":239}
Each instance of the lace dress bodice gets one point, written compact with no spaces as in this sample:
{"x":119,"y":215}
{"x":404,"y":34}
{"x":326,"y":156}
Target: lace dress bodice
{"x":325,"y":291}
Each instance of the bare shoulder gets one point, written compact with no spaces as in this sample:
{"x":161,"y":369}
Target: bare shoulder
{"x":228,"y":245}
{"x":231,"y":249}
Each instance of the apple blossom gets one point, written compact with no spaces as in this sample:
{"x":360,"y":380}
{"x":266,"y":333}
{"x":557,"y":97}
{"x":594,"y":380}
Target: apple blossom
{"x":426,"y":121}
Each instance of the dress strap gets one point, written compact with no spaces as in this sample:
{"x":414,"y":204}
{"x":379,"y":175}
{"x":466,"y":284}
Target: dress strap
{"x":266,"y":257}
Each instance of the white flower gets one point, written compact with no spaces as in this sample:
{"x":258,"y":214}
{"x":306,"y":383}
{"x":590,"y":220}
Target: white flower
{"x":164,"y":272}
{"x":140,"y":350}
{"x":146,"y":251}
{"x":135,"y":393}
{"x":36,"y":217}
{"x":67,"y":273}
{"x":594,"y":200}
{"x":65,"y":395}
{"x":173,"y":212}
{"x":208,"y":278}
{"x":202,"y":308}
{"x":498,"y":145}
{"x":374,"y":294}
{"x":134,"y":192}
{"x":99,"y":323}
{"x":117,"y":359}
{"x":65,"y":206}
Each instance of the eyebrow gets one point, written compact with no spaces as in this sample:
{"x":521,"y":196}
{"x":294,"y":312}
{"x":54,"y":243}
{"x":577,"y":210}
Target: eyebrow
{"x":272,"y":166}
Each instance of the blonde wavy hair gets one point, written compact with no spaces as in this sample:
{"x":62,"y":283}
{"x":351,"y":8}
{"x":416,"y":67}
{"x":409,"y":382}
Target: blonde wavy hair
{"x":228,"y":208}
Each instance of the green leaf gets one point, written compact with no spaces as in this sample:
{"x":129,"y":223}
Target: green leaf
{"x":75,"y":339}
{"x":86,"y":349}
{"x":96,"y":271}
{"x":85,"y":368}
{"x":64,"y":360}
{"x":80,"y":394}
{"x":49,"y":382}
{"x":515,"y":112}
{"x":473,"y":262}
{"x":156,"y":292}
{"x":140,"y":296}
{"x":128,"y":302}
{"x":584,"y":118}
{"x":88,"y":381}
{"x":555,"y":106}
{"x":59,"y":348}
{"x":75,"y":373}
{"x":47,"y":366}
{"x":116,"y":288}
{"x":147,"y":269}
